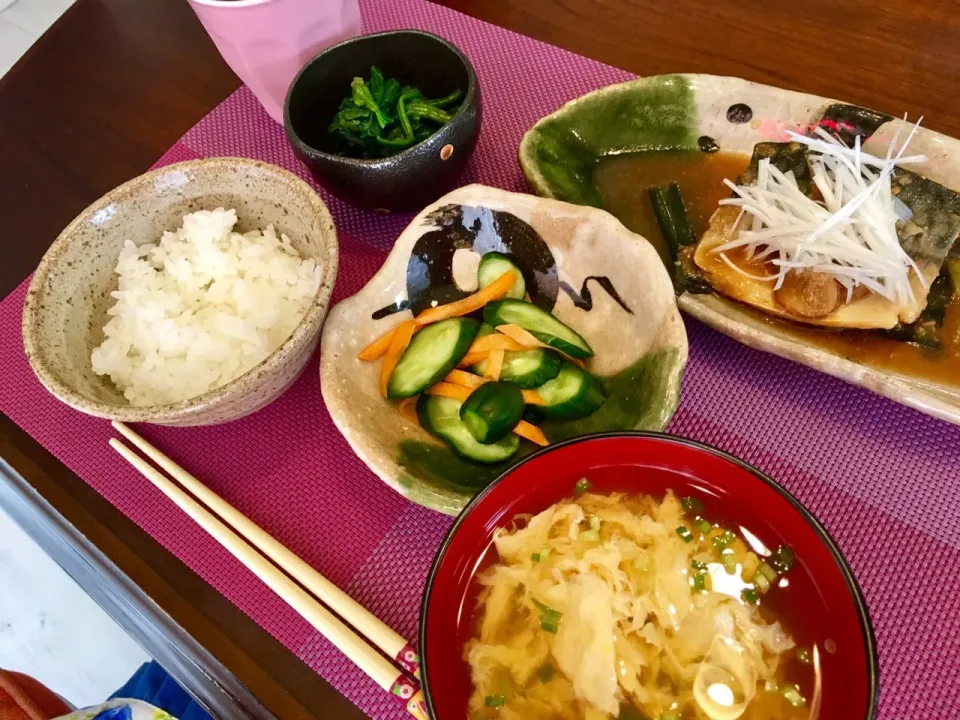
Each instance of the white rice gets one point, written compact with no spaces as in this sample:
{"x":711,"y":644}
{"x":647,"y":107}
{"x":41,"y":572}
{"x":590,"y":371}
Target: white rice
{"x":201,"y":307}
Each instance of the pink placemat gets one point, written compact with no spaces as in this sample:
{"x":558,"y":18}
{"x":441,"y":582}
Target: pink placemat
{"x":884,"y":479}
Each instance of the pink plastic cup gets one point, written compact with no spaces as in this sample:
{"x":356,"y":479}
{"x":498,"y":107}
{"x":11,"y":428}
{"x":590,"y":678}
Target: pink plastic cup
{"x":265,"y":42}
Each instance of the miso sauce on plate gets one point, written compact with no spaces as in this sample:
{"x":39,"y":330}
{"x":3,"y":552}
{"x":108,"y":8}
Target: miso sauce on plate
{"x":623,"y":182}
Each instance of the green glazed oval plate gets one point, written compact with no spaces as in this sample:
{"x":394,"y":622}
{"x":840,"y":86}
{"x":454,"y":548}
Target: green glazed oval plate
{"x":604,"y":281}
{"x":691,"y":112}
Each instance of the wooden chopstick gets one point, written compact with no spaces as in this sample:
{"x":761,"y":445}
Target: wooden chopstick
{"x":371,"y":662}
{"x":390,"y":642}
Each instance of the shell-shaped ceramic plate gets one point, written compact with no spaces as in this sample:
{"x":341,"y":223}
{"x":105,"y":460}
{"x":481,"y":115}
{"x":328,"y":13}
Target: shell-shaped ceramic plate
{"x":604,"y":281}
{"x":707,"y":112}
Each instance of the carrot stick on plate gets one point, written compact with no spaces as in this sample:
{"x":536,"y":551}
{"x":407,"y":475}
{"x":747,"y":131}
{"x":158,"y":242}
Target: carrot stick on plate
{"x":445,"y":389}
{"x":461,"y":377}
{"x":473,"y":358}
{"x":532,"y":397}
{"x":496,"y":341}
{"x":520,"y":335}
{"x":526,"y":338}
{"x":378,"y":347}
{"x":494,"y":365}
{"x":532,"y":433}
{"x":408,"y":409}
{"x":469,"y":380}
{"x":398,"y":343}
{"x":494,"y":291}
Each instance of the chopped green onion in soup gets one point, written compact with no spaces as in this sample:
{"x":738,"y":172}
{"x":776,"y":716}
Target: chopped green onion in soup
{"x":782,"y":559}
{"x":723,"y":539}
{"x":768,"y":572}
{"x":793,"y":696}
{"x":494,"y":701}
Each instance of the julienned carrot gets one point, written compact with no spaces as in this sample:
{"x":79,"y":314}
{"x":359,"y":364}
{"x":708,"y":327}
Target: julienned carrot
{"x":520,"y":335}
{"x":460,"y":377}
{"x":532,"y":397}
{"x":469,"y":380}
{"x":378,"y":347}
{"x":398,"y":343}
{"x":408,"y":409}
{"x":494,"y":365}
{"x":531,"y":433}
{"x":445,"y":389}
{"x":495,"y":341}
{"x":473,"y":358}
{"x":526,"y":338}
{"x":494,"y":291}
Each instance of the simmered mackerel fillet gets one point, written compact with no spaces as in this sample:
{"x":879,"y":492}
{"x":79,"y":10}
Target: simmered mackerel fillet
{"x":814,"y":297}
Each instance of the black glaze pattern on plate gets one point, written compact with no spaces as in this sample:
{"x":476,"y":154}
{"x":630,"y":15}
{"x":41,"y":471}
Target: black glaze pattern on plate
{"x":480,"y":229}
{"x":584,"y":299}
{"x":739,"y":113}
{"x":707,"y":144}
{"x":849,"y":121}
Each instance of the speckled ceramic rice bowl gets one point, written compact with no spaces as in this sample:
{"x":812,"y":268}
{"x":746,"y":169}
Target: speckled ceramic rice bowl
{"x":68,"y":298}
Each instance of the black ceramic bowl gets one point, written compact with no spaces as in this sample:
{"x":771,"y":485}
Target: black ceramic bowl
{"x":418,"y":175}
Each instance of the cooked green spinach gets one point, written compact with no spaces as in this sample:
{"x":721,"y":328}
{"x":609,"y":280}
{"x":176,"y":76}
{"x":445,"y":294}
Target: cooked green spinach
{"x":381,"y":117}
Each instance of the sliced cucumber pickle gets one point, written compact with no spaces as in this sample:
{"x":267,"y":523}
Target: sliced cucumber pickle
{"x":440,"y":416}
{"x":572,"y":395}
{"x":492,"y":411}
{"x":539,"y":323}
{"x":493,"y":265}
{"x":433,"y":352}
{"x":526,"y":368}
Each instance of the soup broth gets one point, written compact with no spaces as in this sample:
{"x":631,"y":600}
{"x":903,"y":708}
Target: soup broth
{"x":623,"y":182}
{"x":629,"y":607}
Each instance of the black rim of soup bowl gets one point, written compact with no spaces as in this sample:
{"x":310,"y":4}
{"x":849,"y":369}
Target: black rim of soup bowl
{"x":308,"y":143}
{"x":856,"y":594}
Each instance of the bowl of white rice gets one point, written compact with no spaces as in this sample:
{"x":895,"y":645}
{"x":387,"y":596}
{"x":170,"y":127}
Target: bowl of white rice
{"x":191,"y":295}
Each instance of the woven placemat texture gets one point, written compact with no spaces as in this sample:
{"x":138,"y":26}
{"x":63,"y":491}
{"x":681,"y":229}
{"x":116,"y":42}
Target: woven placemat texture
{"x":884,"y":479}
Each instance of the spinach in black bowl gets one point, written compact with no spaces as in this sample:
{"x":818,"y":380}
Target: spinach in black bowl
{"x":381,"y":117}
{"x":444,"y":136}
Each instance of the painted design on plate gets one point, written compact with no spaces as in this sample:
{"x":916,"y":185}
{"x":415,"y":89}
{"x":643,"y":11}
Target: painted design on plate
{"x":481,"y":230}
{"x":580,"y":263}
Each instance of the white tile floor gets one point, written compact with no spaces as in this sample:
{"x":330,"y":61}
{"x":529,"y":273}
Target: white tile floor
{"x":22,"y":22}
{"x":49,"y":628}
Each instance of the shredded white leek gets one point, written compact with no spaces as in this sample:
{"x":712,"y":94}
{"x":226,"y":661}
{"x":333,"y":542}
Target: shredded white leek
{"x":733,"y":266}
{"x":851,"y":235}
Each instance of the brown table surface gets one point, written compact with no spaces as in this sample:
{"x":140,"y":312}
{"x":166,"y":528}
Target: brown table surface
{"x":116,"y":82}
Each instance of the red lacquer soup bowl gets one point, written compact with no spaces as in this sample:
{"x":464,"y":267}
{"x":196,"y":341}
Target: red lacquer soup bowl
{"x":821,"y":605}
